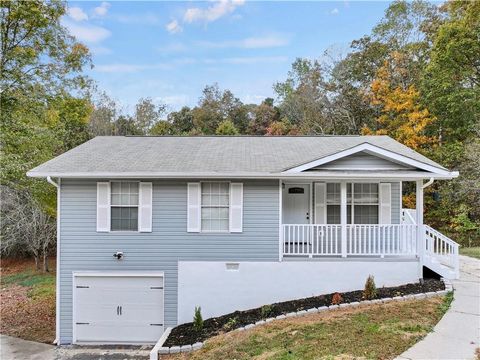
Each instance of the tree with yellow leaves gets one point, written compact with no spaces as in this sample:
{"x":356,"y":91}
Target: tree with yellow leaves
{"x":401,"y":114}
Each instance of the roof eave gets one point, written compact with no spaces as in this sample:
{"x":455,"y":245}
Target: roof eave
{"x":405,"y":176}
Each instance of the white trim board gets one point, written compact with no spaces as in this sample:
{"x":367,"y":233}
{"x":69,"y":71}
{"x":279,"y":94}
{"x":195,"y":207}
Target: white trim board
{"x":356,"y":174}
{"x":372,"y":150}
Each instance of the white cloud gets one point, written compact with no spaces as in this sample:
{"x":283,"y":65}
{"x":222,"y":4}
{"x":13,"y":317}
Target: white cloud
{"x":212,"y":13}
{"x":77,"y":14}
{"x":334,"y":11}
{"x":249,"y":43}
{"x":173,"y":27}
{"x":87,"y":32}
{"x":101,"y":10}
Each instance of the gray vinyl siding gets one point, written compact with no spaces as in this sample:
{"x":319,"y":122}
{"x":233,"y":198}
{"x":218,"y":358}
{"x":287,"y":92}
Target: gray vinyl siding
{"x":83,"y":248}
{"x":360,"y":161}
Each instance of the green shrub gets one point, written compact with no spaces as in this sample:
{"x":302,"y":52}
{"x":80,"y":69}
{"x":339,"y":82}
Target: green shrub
{"x":370,"y":290}
{"x":230,"y":324}
{"x":266,"y":311}
{"x":197,"y":319}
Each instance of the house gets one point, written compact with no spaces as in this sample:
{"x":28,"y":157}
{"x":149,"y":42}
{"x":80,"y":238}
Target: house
{"x":150,"y":227}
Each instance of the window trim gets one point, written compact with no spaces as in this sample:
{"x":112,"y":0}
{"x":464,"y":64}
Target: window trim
{"x":226,"y":207}
{"x":110,"y":207}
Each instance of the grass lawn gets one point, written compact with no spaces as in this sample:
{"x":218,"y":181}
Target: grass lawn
{"x":471,"y":251}
{"x":368,"y":332}
{"x":27,"y":300}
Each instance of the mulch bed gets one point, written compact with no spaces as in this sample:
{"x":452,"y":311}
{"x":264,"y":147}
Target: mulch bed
{"x":185,"y":334}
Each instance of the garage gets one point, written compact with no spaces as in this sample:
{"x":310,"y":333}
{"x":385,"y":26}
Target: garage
{"x":118,"y":307}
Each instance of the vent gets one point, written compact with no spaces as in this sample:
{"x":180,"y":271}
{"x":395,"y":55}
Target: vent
{"x":232,"y":266}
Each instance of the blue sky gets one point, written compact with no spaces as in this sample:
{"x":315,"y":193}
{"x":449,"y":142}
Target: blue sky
{"x":170,"y":50}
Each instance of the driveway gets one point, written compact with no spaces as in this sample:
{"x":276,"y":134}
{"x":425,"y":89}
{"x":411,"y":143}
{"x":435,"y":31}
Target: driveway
{"x":457,"y":335}
{"x":17,"y":349}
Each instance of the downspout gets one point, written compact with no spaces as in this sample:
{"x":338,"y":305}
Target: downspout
{"x":428,"y":183}
{"x":57,"y":292}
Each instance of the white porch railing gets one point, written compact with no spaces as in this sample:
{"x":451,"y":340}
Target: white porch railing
{"x":440,"y":248}
{"x":359,"y":240}
{"x":382,"y":240}
{"x":409,"y":216}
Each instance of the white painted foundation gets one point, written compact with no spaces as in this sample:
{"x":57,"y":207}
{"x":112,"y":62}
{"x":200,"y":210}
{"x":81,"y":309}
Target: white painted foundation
{"x":223,"y":287}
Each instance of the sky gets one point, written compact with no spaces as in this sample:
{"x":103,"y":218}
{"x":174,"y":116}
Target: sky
{"x":169,"y":51}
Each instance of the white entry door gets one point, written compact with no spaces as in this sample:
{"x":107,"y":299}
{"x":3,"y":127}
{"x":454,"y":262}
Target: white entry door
{"x":118,"y":309}
{"x":296,"y":204}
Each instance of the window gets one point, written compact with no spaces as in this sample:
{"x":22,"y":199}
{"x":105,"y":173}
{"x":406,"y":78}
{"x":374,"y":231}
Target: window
{"x":215,"y":206}
{"x":364,"y":202}
{"x":124,"y":206}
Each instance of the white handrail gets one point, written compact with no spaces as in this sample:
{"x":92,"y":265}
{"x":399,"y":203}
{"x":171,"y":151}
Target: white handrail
{"x":442,"y":248}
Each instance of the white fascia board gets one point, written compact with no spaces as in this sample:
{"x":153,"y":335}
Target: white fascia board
{"x":372,"y":149}
{"x":355,"y":174}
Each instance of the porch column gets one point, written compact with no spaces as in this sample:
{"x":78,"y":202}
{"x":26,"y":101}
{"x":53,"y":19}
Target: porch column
{"x":343,"y":216}
{"x":419,"y":220}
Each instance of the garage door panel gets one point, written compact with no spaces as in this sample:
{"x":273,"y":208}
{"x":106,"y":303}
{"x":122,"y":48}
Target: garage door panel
{"x":118,"y":309}
{"x":107,"y":333}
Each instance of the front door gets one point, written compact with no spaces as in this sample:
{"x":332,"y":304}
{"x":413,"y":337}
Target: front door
{"x":296,"y":204}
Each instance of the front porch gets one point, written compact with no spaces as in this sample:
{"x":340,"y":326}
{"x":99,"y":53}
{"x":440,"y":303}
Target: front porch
{"x":390,"y":232}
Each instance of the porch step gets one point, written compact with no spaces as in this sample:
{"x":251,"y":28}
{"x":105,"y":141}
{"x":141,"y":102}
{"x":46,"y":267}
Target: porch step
{"x":442,"y":270}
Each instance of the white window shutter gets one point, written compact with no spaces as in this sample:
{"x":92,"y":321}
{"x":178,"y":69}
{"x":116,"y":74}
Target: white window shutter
{"x":103,"y":206}
{"x":385,"y":203}
{"x":145,"y":207}
{"x":236,"y":207}
{"x":194,"y":195}
{"x":320,"y":203}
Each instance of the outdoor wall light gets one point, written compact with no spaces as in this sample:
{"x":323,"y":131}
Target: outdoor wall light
{"x":118,"y":255}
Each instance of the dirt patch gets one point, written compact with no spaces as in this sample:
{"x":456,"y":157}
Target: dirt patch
{"x":185,"y":334}
{"x":27,"y":299}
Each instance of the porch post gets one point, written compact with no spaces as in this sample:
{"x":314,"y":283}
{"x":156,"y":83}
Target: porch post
{"x":419,"y":220}
{"x":343,"y":216}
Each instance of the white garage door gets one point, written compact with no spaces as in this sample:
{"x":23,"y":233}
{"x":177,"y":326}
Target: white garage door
{"x":118,"y":308}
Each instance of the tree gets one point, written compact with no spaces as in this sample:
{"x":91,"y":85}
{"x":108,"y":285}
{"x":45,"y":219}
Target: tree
{"x":401,"y":114}
{"x":147,"y":114}
{"x":263,"y":115}
{"x":302,"y":97}
{"x":25,"y":226}
{"x":162,"y":127}
{"x":37,"y":52}
{"x":126,"y":125}
{"x":226,"y":127}
{"x":452,"y":80}
{"x":216,"y":106}
{"x":104,"y":113}
{"x":182,"y":121}
{"x":40,"y":68}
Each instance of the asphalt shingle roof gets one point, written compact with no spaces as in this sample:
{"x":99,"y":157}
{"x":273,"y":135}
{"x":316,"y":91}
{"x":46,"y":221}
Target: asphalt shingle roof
{"x":201,"y":154}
